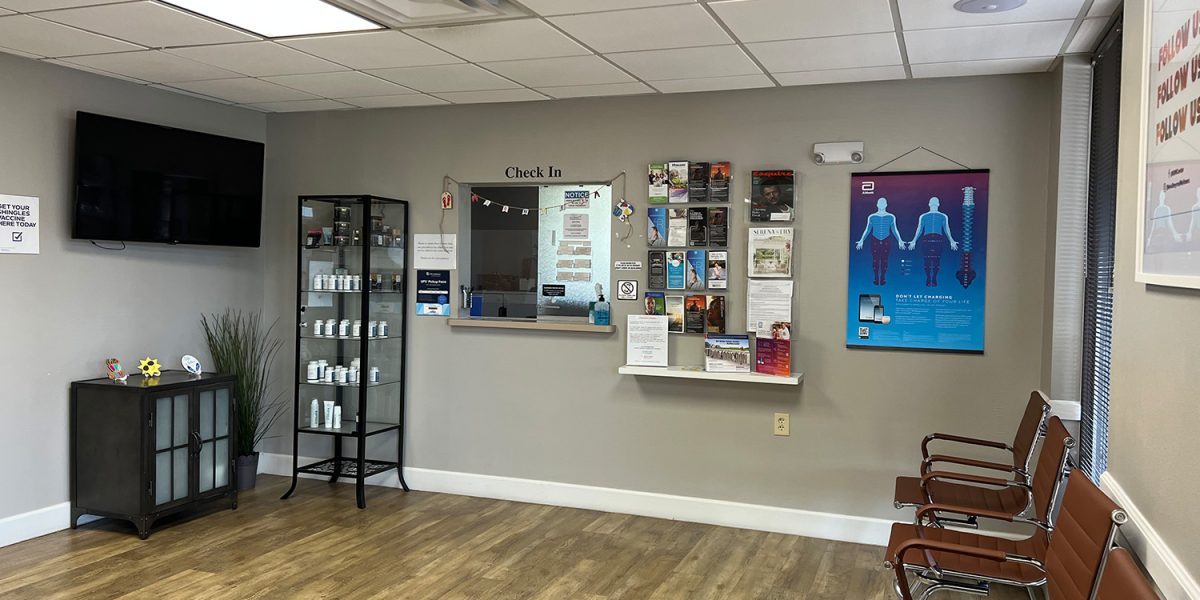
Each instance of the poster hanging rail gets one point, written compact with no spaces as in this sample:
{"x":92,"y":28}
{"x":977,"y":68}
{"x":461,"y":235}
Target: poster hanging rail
{"x":937,"y":154}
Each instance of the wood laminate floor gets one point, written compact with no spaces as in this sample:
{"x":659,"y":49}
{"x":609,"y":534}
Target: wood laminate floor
{"x":424,"y":546}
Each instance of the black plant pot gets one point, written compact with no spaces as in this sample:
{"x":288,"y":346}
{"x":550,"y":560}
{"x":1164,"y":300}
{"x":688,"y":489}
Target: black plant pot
{"x":247,"y":472}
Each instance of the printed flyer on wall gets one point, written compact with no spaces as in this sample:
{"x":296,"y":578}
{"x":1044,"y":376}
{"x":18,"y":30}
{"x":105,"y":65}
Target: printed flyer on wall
{"x":677,"y":227}
{"x":659,"y":183}
{"x":718,"y":276}
{"x":918,"y":260}
{"x":773,"y":348}
{"x":698,"y":181}
{"x":715,"y":321}
{"x":770,"y":252}
{"x":697,"y":226}
{"x":718,"y":226}
{"x":674,"y":314}
{"x":656,"y":303}
{"x":695,"y":270}
{"x":727,"y":353}
{"x":656,"y":227}
{"x":694,"y":313}
{"x":718,"y":182}
{"x":656,"y":278}
{"x":677,"y":177}
{"x":676,"y":270}
{"x":772,"y":195}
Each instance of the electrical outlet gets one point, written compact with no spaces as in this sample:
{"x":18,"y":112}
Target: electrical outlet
{"x":782,"y":424}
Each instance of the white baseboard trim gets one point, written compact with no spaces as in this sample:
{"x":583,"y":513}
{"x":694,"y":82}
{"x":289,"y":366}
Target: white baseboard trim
{"x":829,"y":526}
{"x":34,"y":523}
{"x":1171,"y":577}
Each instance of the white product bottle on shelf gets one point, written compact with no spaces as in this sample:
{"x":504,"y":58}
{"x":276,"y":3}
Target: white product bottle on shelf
{"x":314,"y":419}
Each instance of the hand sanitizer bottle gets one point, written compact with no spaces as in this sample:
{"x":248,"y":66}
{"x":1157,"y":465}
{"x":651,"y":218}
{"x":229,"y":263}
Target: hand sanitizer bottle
{"x":602,"y":311}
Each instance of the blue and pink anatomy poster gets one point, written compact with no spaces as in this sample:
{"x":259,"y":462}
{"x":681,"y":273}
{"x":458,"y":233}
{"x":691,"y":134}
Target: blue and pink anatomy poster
{"x":918,"y":260}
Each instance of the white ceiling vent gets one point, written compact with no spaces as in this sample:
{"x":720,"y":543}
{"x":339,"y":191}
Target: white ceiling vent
{"x":416,"y":13}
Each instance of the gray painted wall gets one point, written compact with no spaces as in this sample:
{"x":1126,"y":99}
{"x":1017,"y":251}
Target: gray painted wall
{"x":74,"y":305}
{"x":551,"y":406}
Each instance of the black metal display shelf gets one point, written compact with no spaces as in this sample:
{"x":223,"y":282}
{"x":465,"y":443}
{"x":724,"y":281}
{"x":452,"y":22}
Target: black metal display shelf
{"x":351,"y":291}
{"x":349,"y":339}
{"x":350,"y":385}
{"x":348,"y":467}
{"x":348,"y":429}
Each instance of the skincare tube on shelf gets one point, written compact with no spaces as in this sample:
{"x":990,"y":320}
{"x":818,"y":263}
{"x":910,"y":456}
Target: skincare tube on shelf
{"x":314,"y":418}
{"x":328,"y":413}
{"x":337,"y":417}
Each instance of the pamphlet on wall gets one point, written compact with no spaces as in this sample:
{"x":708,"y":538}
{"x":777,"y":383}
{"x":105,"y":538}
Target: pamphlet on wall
{"x":770,"y":252}
{"x":718,"y":226}
{"x":677,"y":173}
{"x":646,"y":341}
{"x":656,"y":227}
{"x":772,"y":195}
{"x":695,"y":270}
{"x":657,"y":266}
{"x":677,"y":227}
{"x":656,"y":303}
{"x":697,"y":226}
{"x":676,"y":270}
{"x":718,"y":182}
{"x":772,"y":357}
{"x":718,"y":276}
{"x":674,"y":314}
{"x":714,"y":322}
{"x":727,"y":353}
{"x":694,"y":313}
{"x":659,"y":183}
{"x":698,"y":182}
{"x":768,"y":301}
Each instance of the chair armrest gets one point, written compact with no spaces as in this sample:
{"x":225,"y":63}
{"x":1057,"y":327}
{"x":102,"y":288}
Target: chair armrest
{"x":980,"y":479}
{"x":927,"y":464}
{"x":939,"y":546}
{"x":959,"y":439}
{"x":950,"y":508}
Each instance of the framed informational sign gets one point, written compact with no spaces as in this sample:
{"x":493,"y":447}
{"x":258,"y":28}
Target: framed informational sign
{"x":1168,"y":250}
{"x":918,"y":260}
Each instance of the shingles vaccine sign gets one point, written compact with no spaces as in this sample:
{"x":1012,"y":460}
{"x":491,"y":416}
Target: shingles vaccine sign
{"x":18,"y":225}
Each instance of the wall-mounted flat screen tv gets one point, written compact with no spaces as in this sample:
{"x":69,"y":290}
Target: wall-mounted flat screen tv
{"x":139,"y":182}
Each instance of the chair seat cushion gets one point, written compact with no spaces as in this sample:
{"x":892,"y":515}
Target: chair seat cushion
{"x":1034,"y":547}
{"x":1010,"y":500}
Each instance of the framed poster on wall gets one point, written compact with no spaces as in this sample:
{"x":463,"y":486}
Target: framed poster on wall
{"x":1168,"y":250}
{"x":918,"y":260}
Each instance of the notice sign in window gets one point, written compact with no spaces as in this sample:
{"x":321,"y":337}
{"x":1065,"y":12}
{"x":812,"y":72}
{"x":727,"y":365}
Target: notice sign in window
{"x":18,"y":224}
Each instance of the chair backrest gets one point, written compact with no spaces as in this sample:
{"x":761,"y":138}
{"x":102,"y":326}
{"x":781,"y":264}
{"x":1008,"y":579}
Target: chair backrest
{"x":1122,"y":580}
{"x":1051,"y":469}
{"x":1032,"y":423}
{"x":1079,"y":544}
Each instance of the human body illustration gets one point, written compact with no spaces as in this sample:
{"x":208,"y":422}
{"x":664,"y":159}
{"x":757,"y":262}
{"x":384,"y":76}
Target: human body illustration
{"x":881,"y":225}
{"x":1195,"y":222}
{"x":933,"y":232}
{"x":1163,"y":218}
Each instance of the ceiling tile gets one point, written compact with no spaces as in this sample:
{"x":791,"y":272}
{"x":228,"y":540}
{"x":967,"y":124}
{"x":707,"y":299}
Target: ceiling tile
{"x":375,"y":50}
{"x":244,"y":90}
{"x":258,"y":59}
{"x":933,"y":14}
{"x":607,"y":89}
{"x":712,"y":84}
{"x":19,"y":53}
{"x":840,"y":75}
{"x":687,"y":63}
{"x":567,"y":7}
{"x":767,"y":20}
{"x":979,"y":43}
{"x":844,"y":52}
{"x":339,"y":85}
{"x":520,"y":95}
{"x":1103,"y":8}
{"x":301,"y":105}
{"x":43,"y":38}
{"x":502,"y":40}
{"x":446,"y":78}
{"x":1087,"y":37}
{"x":63,"y":63}
{"x":187,"y":93}
{"x":681,"y":26}
{"x":36,"y":5}
{"x":151,"y":65}
{"x":5,"y":11}
{"x":148,"y":24}
{"x":394,"y":101}
{"x":983,"y":67}
{"x":574,"y":70}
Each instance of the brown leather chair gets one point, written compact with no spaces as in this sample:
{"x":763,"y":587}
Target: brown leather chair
{"x":1004,"y":495}
{"x":1068,"y":558}
{"x":1123,"y":580}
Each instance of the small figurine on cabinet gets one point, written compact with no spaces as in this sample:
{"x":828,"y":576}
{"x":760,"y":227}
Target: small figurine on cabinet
{"x":115,"y":372}
{"x":150,"y":367}
{"x":192,"y":365}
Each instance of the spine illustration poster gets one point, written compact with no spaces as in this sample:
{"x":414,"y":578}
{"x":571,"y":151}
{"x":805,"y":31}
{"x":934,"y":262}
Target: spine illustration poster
{"x":918,"y":260}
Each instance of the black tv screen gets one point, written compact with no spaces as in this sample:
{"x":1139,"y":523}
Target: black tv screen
{"x":138,"y":182}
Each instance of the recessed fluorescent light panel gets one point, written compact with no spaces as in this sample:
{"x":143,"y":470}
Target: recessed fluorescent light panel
{"x":279,"y":18}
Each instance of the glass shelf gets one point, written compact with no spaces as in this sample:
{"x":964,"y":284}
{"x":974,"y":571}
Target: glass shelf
{"x":336,"y":249}
{"x":348,"y":339}
{"x":350,"y":385}
{"x":371,"y":427}
{"x":351,"y":291}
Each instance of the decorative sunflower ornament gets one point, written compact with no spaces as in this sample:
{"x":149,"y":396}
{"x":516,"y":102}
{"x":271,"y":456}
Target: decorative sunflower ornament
{"x":150,"y":367}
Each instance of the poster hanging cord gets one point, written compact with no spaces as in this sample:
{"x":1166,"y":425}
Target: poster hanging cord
{"x":937,"y":154}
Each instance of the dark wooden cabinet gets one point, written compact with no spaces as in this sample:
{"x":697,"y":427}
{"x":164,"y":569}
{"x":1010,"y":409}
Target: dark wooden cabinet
{"x":150,"y":447}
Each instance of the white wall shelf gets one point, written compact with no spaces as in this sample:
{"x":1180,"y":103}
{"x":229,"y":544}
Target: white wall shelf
{"x":700,"y":373}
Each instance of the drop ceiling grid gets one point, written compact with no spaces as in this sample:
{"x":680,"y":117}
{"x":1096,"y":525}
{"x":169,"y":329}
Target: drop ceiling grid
{"x":562,"y":27}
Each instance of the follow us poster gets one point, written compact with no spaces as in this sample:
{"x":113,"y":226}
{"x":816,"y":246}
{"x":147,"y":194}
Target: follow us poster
{"x":918,"y":260}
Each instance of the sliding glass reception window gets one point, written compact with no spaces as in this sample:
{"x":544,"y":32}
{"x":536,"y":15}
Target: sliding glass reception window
{"x":537,"y":252}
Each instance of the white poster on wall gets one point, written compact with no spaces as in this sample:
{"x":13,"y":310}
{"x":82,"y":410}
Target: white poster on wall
{"x":435,"y":251}
{"x":646,"y":341}
{"x":19,"y":225}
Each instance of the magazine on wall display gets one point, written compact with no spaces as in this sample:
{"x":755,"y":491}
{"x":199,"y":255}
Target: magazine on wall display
{"x":698,"y":182}
{"x":696,"y":270}
{"x":657,"y":265}
{"x":694,"y":313}
{"x":772,"y":195}
{"x":718,"y":226}
{"x":676,"y":270}
{"x":714,"y":322}
{"x":677,"y":174}
{"x":677,"y":227}
{"x":773,"y":348}
{"x":656,"y":227}
{"x":718,"y":182}
{"x":718,"y":275}
{"x":674,"y":305}
{"x":656,"y":303}
{"x":659,"y":183}
{"x":697,"y":226}
{"x":727,"y":353}
{"x":770,"y":252}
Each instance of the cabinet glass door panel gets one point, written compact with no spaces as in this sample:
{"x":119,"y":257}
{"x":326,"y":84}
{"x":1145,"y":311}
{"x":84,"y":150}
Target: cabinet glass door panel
{"x":180,"y":473}
{"x":206,"y":415}
{"x":207,"y":466}
{"x":162,"y":424}
{"x":171,"y":445}
{"x":222,"y":412}
{"x":221,"y":472}
{"x":213,"y":460}
{"x":162,"y":476}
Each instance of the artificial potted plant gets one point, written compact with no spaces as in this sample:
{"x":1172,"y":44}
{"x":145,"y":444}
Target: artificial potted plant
{"x":240,"y":345}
